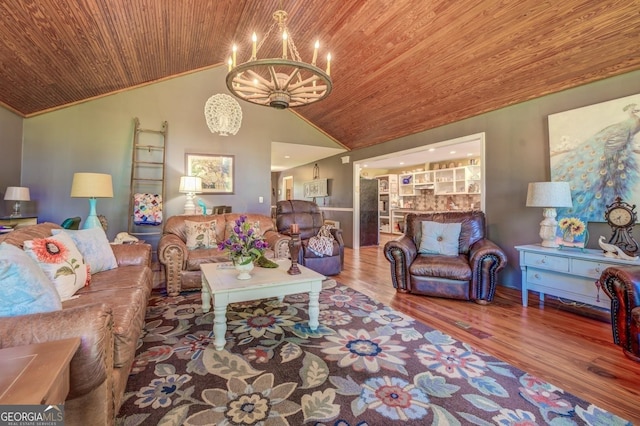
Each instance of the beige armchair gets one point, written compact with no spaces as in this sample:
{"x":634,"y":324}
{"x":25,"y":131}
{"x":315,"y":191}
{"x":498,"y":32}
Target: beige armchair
{"x":182,"y":266}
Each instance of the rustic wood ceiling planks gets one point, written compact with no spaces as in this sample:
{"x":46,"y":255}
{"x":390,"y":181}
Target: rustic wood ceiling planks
{"x":399,"y":67}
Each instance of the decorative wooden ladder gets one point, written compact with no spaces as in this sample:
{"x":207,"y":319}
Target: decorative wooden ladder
{"x":148,"y":168}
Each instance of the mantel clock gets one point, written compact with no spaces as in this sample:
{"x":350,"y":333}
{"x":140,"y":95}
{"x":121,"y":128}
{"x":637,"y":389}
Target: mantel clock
{"x":621,"y":216}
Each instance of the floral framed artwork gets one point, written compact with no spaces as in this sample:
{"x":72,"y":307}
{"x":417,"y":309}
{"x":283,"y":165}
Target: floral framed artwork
{"x":594,"y":149}
{"x":572,"y":232}
{"x":216,"y":172}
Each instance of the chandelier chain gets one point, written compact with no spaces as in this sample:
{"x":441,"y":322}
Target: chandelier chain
{"x":266,"y":36}
{"x":292,"y":46}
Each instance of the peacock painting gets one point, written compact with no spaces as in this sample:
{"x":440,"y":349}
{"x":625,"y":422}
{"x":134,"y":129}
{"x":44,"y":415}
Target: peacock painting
{"x":597,"y":152}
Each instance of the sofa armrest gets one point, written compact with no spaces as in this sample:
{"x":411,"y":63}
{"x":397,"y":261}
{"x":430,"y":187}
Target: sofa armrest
{"x":337,"y":234}
{"x":622,"y":285}
{"x":168,"y":242}
{"x":486,"y":260}
{"x":173,"y":254}
{"x":279,"y":243}
{"x":400,"y":253}
{"x":92,"y":363}
{"x":132,"y":254}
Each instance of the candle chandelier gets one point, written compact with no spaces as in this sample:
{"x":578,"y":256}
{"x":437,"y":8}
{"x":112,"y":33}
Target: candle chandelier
{"x":279,"y":82}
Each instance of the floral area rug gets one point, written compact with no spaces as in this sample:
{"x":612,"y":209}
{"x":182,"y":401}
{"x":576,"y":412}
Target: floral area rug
{"x":366,"y":364}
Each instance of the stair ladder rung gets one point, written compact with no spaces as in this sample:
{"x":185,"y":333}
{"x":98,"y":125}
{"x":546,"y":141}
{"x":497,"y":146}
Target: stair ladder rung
{"x":138,"y":181}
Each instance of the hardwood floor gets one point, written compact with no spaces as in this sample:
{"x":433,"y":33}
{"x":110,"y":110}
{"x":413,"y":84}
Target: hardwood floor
{"x":569,"y":347}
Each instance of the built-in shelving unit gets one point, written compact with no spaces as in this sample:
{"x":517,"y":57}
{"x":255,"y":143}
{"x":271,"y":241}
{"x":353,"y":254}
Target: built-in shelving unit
{"x":460,"y":180}
{"x":398,"y":220}
{"x":455,"y":180}
{"x":387,"y":197}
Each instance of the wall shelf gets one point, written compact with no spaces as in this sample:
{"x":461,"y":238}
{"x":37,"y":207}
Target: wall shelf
{"x":455,"y":180}
{"x":387,"y":199}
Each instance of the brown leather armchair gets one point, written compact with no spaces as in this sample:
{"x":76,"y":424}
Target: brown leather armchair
{"x":622,"y":285}
{"x":309,"y":218}
{"x":468,"y":275}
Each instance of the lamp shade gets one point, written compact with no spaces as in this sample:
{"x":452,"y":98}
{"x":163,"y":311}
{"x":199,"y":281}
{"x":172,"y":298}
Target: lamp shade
{"x":17,"y":193}
{"x":190,"y":184}
{"x":91,"y":185}
{"x":549,"y":194}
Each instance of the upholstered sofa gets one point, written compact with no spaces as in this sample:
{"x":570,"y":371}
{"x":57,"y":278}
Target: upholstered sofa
{"x":622,"y":285}
{"x":425,"y":266}
{"x":107,"y":315}
{"x":182,"y":265}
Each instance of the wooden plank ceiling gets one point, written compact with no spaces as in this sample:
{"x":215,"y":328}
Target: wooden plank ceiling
{"x":399,"y":66}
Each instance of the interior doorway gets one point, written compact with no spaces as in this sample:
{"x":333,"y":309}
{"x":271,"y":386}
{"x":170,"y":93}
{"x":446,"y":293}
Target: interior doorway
{"x":287,"y":188}
{"x":423,"y":155}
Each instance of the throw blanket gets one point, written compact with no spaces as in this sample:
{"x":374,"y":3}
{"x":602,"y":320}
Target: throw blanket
{"x":147,"y":209}
{"x":322,"y":244}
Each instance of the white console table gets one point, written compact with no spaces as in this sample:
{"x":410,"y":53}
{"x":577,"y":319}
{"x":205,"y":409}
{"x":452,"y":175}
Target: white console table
{"x":567,"y":273}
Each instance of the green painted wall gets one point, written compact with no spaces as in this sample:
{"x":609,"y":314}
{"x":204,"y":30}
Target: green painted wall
{"x":10,"y":157}
{"x":97,"y":136}
{"x":516,"y":153}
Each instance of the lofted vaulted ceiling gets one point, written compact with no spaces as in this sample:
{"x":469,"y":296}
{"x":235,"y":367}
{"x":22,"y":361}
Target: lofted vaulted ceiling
{"x":399,"y":66}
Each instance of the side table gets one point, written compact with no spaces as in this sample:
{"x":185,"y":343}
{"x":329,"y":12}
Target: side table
{"x":566,"y":273}
{"x":14,"y":221}
{"x":37,"y":373}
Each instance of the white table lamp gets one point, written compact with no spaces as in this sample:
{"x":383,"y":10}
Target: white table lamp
{"x":91,"y":186}
{"x":190,"y":185}
{"x":549,"y":195}
{"x":17,"y":194}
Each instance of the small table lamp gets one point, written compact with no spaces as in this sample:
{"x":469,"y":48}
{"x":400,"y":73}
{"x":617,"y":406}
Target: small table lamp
{"x":91,"y":186}
{"x":190,"y":185}
{"x":549,"y":195}
{"x":17,"y":194}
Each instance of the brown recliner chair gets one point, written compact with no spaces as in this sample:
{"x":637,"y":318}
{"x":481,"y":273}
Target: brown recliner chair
{"x":309,"y":218}
{"x":622,"y":285}
{"x":469,"y":274}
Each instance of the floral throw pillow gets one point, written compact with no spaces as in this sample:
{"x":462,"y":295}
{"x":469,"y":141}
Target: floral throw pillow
{"x":61,"y":261}
{"x":201,"y":235}
{"x":94,"y":247}
{"x":25,"y":289}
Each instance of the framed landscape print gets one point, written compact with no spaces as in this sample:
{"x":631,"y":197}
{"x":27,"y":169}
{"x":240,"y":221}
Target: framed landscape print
{"x":216,"y":171}
{"x":595,"y":149}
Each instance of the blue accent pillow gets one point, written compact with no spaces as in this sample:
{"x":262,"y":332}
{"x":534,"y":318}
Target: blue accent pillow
{"x":24,"y":288}
{"x":440,"y":238}
{"x":94,"y":246}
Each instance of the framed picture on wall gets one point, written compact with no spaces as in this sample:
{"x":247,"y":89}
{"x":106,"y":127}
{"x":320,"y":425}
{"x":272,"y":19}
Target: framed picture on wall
{"x":572,"y":232}
{"x":315,"y":188}
{"x":216,"y":171}
{"x":594,"y":149}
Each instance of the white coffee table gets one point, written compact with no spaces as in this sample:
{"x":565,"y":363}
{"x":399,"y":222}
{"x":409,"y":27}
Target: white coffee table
{"x":220,"y":283}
